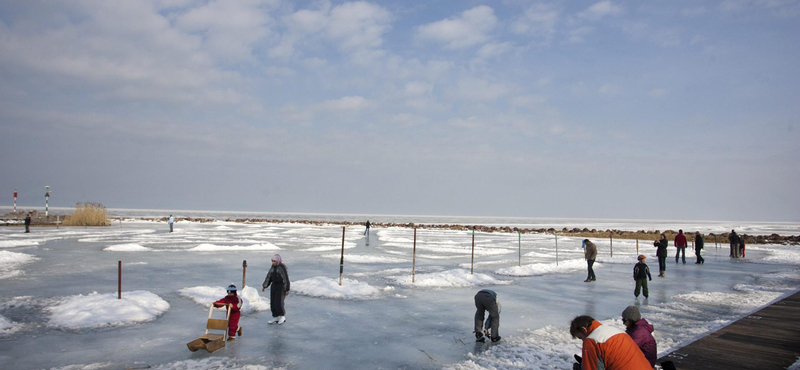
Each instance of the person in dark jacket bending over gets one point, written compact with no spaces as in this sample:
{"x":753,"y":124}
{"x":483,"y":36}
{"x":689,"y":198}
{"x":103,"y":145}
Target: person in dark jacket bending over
{"x":698,"y":246}
{"x":486,"y":300}
{"x":661,"y":244}
{"x":680,"y":244}
{"x":590,"y":253}
{"x":278,"y":277}
{"x":641,"y":332}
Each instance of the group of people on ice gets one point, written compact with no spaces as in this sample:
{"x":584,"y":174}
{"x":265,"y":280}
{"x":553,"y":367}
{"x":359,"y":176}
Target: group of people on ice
{"x":277,"y":280}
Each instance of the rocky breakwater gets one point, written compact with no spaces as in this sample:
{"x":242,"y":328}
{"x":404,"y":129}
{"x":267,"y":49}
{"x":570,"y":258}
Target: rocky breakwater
{"x":37,"y":219}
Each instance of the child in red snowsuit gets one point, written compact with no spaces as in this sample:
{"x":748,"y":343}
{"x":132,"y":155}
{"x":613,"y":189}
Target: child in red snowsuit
{"x":234,"y":304}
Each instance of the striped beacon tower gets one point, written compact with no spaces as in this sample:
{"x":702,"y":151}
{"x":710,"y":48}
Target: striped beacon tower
{"x":15,"y":200}
{"x":46,"y":200}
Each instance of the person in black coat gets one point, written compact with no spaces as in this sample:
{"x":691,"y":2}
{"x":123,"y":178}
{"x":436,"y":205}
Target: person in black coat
{"x":662,"y":245}
{"x":278,"y":278}
{"x":698,"y":246}
{"x":28,"y":223}
{"x":734,"y":239}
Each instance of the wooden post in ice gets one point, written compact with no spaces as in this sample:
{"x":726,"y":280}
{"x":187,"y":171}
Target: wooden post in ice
{"x":341,"y":261}
{"x":611,"y":243}
{"x":414,"y":258}
{"x":15,"y":200}
{"x":519,"y":246}
{"x":637,"y":246}
{"x":472,"y":264}
{"x":556,"y":235}
{"x":244,"y":273}
{"x":715,"y":242}
{"x":46,"y":200}
{"x":119,"y":279}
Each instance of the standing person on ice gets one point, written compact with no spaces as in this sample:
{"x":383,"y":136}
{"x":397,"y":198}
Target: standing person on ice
{"x":486,"y":300}
{"x":734,"y":240}
{"x":641,"y":273}
{"x":171,"y":221}
{"x":590,"y":253}
{"x":680,"y":244}
{"x":366,"y":231}
{"x":28,"y":223}
{"x":278,"y":277}
{"x":605,"y":347}
{"x":698,"y":246}
{"x":661,"y":253}
{"x":234,"y":303}
{"x":641,"y":332}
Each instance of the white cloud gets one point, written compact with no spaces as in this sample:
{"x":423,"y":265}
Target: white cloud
{"x":693,"y":11}
{"x":470,"y":28}
{"x":346,"y":104}
{"x":600,"y":10}
{"x":657,"y":93}
{"x":494,"y":50}
{"x":579,"y":34}
{"x":609,"y":89}
{"x":417,"y":88}
{"x":528,"y":101}
{"x":475,"y":89}
{"x":538,"y":20}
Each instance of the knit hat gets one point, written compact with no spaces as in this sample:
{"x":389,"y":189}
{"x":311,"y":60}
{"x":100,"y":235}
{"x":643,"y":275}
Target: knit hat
{"x":277,"y":258}
{"x":631,"y":313}
{"x":231,"y":288}
{"x":641,"y":257}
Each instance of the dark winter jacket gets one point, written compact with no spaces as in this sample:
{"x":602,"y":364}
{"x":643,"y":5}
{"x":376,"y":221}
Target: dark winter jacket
{"x":662,"y":247}
{"x":278,"y":276}
{"x":680,"y":241}
{"x":698,"y":242}
{"x":642,"y":334}
{"x":28,"y":221}
{"x":641,"y":271}
{"x":734,"y":238}
{"x":591,"y":251}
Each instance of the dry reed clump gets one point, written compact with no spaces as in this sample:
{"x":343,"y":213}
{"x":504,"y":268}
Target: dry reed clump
{"x":87,"y":214}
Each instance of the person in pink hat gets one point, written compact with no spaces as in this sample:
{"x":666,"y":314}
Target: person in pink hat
{"x":278,"y":278}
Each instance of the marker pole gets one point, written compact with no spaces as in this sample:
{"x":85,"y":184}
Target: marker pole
{"x":119,"y":279}
{"x":414,"y":258}
{"x":472,"y":264}
{"x":244,"y":272}
{"x":341,"y":261}
{"x":15,"y":200}
{"x":556,"y":235}
{"x":46,"y":200}
{"x":519,"y":246}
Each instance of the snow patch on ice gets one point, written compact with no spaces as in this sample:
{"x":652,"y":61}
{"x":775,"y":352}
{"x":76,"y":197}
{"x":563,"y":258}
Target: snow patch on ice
{"x":10,"y":262}
{"x":324,"y":287}
{"x":252,"y":301}
{"x":17,"y":243}
{"x":98,"y":310}
{"x":448,"y":279}
{"x":7,"y":326}
{"x":226,"y":248}
{"x":130,"y":247}
{"x":364,"y":258}
{"x":327,"y":248}
{"x":563,"y":267}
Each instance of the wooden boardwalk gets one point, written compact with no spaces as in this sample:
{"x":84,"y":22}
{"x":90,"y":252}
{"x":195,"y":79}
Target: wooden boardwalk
{"x":767,"y":339}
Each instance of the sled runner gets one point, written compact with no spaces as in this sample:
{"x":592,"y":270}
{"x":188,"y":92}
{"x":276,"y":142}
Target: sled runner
{"x":212,"y":342}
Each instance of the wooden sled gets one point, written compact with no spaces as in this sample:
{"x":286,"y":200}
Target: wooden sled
{"x":212,"y":342}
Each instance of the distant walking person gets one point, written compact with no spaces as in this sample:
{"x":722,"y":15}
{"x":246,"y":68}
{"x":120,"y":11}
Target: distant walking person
{"x":698,"y":246}
{"x":680,"y":245}
{"x":661,"y":253}
{"x":278,"y":278}
{"x":734,"y":240}
{"x":28,"y":223}
{"x":486,"y":300}
{"x":590,"y":253}
{"x":641,"y":332}
{"x":641,"y":273}
{"x":171,"y":221}
{"x":366,"y":231}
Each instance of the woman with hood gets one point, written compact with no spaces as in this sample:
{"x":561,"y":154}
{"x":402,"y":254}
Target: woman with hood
{"x":661,"y":253}
{"x":278,"y":277}
{"x":641,"y":332}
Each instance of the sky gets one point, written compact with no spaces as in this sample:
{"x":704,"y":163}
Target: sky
{"x":609,"y":109}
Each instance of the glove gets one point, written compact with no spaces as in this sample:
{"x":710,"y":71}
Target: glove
{"x":576,"y":367}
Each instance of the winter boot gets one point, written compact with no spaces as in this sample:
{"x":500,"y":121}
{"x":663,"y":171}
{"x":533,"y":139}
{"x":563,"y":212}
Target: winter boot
{"x":496,"y":339}
{"x":239,"y":332}
{"x":274,"y":320}
{"x":479,"y":337}
{"x":281,"y":320}
{"x":231,"y":339}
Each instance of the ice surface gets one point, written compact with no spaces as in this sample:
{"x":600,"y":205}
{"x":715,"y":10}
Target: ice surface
{"x":98,"y":310}
{"x":377,"y":318}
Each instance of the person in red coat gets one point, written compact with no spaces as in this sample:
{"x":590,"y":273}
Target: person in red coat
{"x":234,"y":303}
{"x":680,"y":244}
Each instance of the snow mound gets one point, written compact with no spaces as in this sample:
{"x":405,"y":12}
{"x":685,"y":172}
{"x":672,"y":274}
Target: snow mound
{"x":210,"y":363}
{"x":205,"y":295}
{"x":320,"y":286}
{"x":7,"y":326}
{"x":327,"y":248}
{"x":227,"y":248}
{"x":746,"y":300}
{"x":568,"y":266}
{"x":364,"y":258}
{"x":98,"y":310}
{"x":17,"y":243}
{"x":448,"y":279}
{"x":10,"y":262}
{"x":130,"y":247}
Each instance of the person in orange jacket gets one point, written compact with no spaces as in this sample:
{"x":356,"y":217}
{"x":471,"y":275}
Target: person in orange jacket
{"x":605,"y":347}
{"x":234,"y":304}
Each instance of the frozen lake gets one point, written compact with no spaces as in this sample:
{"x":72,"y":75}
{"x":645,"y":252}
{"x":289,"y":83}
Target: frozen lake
{"x":379,"y":319}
